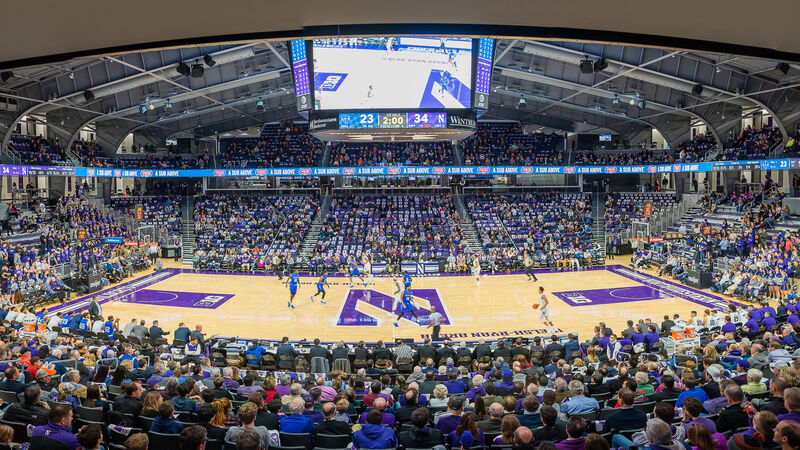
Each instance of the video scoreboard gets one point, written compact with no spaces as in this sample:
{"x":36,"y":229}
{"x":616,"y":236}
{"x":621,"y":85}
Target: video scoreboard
{"x":375,"y":73}
{"x":368,"y":120}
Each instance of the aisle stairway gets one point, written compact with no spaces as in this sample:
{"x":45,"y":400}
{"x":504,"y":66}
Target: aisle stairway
{"x":467,"y":226}
{"x":599,"y":225}
{"x":312,"y":237}
{"x":187,"y":229}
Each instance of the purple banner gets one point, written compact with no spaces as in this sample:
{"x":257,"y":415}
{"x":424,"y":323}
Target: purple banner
{"x":590,"y":297}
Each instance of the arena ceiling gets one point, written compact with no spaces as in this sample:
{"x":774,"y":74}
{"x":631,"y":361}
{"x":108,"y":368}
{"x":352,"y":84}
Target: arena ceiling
{"x":127,"y":54}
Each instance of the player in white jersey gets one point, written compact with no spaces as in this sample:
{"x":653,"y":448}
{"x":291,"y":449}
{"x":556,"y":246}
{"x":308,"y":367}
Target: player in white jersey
{"x":476,"y":269}
{"x":719,"y":318}
{"x":544,"y":311}
{"x":367,"y":268}
{"x":737,"y":316}
{"x":398,"y":292}
{"x":695,"y":321}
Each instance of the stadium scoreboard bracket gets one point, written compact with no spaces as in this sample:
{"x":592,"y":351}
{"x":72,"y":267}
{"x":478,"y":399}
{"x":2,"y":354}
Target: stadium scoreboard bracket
{"x":392,"y":126}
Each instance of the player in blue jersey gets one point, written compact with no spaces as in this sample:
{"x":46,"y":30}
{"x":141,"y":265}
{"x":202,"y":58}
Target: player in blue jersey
{"x":321,"y":283}
{"x":354,"y":272}
{"x":407,"y":305}
{"x":407,"y":280}
{"x":452,"y":57}
{"x":84,"y":324}
{"x":65,"y":319}
{"x":108,"y":327}
{"x":293,"y":281}
{"x":444,"y":82}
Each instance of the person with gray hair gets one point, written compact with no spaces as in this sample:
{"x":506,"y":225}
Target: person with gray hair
{"x":493,"y":420}
{"x":74,"y":377}
{"x":416,"y":375}
{"x":229,"y":382}
{"x":297,"y":422}
{"x":477,"y":389}
{"x":578,"y":403}
{"x":659,"y":433}
{"x":754,"y":384}
{"x":283,"y":388}
{"x":79,"y":365}
{"x":295,"y":391}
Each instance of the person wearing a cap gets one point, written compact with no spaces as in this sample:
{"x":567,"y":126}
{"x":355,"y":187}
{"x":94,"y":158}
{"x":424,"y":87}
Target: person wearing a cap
{"x":467,"y":440}
{"x":308,"y":410}
{"x":450,"y":420}
{"x":713,"y":377}
{"x":373,"y":434}
{"x":43,"y":379}
{"x":506,"y":386}
{"x":777,"y":367}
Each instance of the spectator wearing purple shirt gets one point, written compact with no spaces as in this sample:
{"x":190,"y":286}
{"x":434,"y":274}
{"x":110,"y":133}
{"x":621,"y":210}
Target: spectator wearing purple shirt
{"x":449,"y":422}
{"x":58,"y":427}
{"x":283,"y":388}
{"x":477,"y":382}
{"x":651,"y":337}
{"x":380,"y":405}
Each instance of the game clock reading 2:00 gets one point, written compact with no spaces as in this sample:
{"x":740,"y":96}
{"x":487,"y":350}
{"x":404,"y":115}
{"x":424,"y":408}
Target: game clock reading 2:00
{"x":354,"y":121}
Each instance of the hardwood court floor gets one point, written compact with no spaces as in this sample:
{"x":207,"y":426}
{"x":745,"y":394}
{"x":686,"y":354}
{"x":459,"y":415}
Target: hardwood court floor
{"x":255,"y":306}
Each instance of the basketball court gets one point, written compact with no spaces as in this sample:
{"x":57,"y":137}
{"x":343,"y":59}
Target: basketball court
{"x":255,"y":305}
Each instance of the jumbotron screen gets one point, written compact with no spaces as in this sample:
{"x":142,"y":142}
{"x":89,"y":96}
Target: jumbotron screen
{"x":392,"y":72}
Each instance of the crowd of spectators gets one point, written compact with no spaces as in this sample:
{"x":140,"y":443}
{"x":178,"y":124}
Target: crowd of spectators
{"x":753,"y":261}
{"x":505,"y":143}
{"x":792,"y":147}
{"x":392,"y":153}
{"x":162,"y":213}
{"x":550,"y":228}
{"x":247,"y":231}
{"x":91,"y":154}
{"x":627,"y":158}
{"x":622,"y":209}
{"x":36,"y":150}
{"x":389,"y":228}
{"x":284,"y":144}
{"x":751,"y":143}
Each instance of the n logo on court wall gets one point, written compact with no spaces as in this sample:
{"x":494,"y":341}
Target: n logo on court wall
{"x":350,"y":316}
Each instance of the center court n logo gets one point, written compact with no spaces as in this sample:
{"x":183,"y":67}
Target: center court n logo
{"x":350,"y":316}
